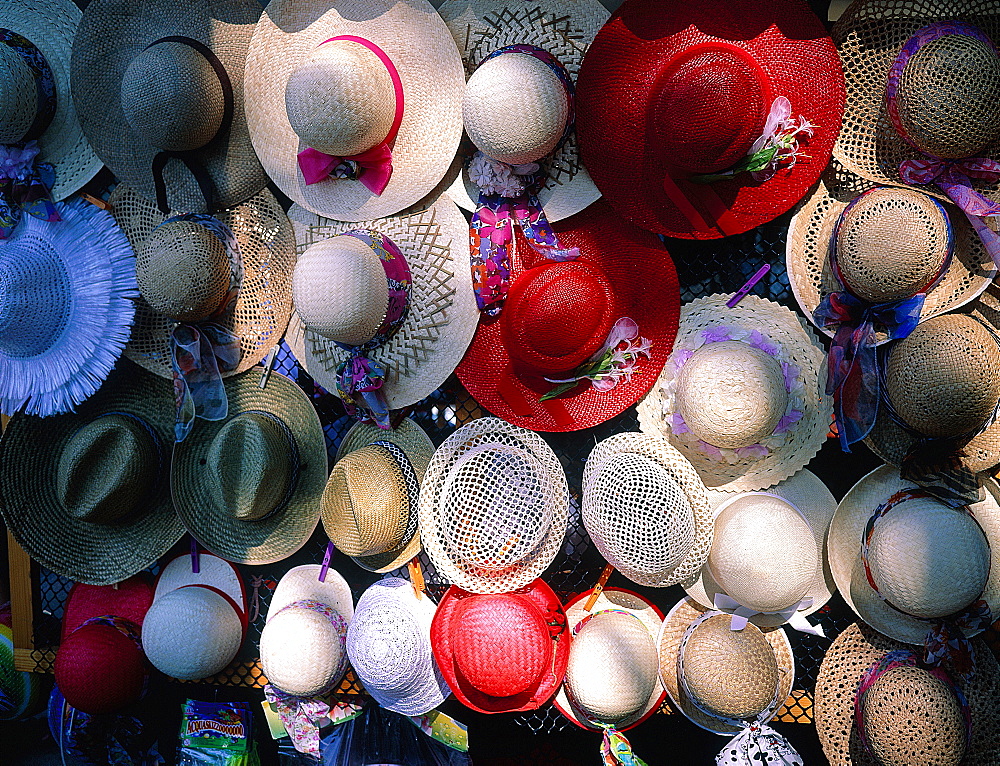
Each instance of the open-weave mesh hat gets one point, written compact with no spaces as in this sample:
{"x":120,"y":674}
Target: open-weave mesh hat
{"x":86,"y":494}
{"x":248,"y":487}
{"x":493,"y":507}
{"x":742,"y":394}
{"x":258,"y":316}
{"x":645,"y":508}
{"x":138,"y":94}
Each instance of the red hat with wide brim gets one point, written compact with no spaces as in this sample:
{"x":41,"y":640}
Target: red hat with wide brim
{"x":501,"y":653}
{"x":557,"y":315}
{"x":672,"y":90}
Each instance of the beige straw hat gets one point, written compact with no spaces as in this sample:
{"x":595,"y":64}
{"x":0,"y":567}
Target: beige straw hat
{"x":493,"y":507}
{"x":258,"y":316}
{"x":140,"y":91}
{"x":298,"y":77}
{"x":646,"y":510}
{"x":742,"y":394}
{"x":515,"y":101}
{"x":369,"y":506}
{"x":248,"y":487}
{"x":50,"y":26}
{"x":442,"y":316}
{"x":769,"y":553}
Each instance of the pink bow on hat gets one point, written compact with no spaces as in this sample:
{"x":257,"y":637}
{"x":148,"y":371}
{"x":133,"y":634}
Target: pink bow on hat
{"x":374,"y":166}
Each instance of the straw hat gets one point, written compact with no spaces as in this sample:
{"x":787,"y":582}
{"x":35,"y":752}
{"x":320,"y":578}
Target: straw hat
{"x":514,"y":101}
{"x":248,"y":487}
{"x":742,"y":394}
{"x":645,"y":509}
{"x":167,"y":85}
{"x":23,"y":693}
{"x":389,"y":645}
{"x":769,"y":554}
{"x":908,"y":715}
{"x":493,"y":507}
{"x":503,"y":652}
{"x":442,"y":314}
{"x":303,"y":646}
{"x":669,"y":92}
{"x":86,"y":493}
{"x":67,"y":305}
{"x":207,"y":607}
{"x":259,"y":314}
{"x":611,"y":676}
{"x":926,"y":558}
{"x":304,"y":66}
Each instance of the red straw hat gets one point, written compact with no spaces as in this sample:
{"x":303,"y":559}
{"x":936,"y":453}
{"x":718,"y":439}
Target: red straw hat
{"x":668,"y":91}
{"x":558,"y":316}
{"x":501,"y":653}
{"x":100,"y":666}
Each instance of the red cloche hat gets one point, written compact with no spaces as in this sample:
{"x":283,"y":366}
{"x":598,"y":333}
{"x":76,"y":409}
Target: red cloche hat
{"x":557,"y":316}
{"x":669,"y":91}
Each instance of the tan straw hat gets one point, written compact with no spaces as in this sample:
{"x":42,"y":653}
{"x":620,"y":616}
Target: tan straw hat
{"x":166,"y":85}
{"x":248,"y":487}
{"x":742,"y":394}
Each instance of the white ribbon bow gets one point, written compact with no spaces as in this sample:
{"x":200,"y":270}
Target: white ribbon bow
{"x":758,"y":745}
{"x":741,"y":614}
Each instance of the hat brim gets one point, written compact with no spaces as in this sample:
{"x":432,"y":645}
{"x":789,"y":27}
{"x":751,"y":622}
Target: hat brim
{"x":302,"y":583}
{"x":130,"y":599}
{"x":212,"y":571}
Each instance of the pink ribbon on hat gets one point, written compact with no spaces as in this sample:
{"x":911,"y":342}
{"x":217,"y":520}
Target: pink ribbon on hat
{"x":372,"y":167}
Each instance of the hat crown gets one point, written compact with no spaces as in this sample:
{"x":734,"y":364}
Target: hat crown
{"x":387,"y":645}
{"x":35,"y":297}
{"x":341,"y":100}
{"x":731,"y":394}
{"x":340,"y":290}
{"x":18,"y":94}
{"x":172,"y":97}
{"x":302,"y":652}
{"x":515,"y":108}
{"x":99,"y":669}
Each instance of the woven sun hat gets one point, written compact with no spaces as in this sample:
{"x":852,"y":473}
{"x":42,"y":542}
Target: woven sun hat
{"x":369,"y":505}
{"x":303,"y":646}
{"x":905,"y":713}
{"x":203,"y":599}
{"x":100,"y":667}
{"x":248,"y":487}
{"x":767,"y":564}
{"x":494,"y":505}
{"x":414,"y":328}
{"x":86,"y":494}
{"x":501,"y":652}
{"x":645,"y":508}
{"x":355,"y":107}
{"x":159,"y":92}
{"x":706,"y":119}
{"x":389,"y":646}
{"x":561,"y":318}
{"x":742,"y":394}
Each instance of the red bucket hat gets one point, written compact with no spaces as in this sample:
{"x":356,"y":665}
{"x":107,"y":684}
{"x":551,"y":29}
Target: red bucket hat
{"x":501,"y":653}
{"x":559,"y":317}
{"x":751,"y":90}
{"x":100,"y":667}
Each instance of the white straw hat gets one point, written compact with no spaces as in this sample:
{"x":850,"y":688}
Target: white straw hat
{"x":389,"y":645}
{"x":493,"y":507}
{"x":646,"y":510}
{"x":742,"y":394}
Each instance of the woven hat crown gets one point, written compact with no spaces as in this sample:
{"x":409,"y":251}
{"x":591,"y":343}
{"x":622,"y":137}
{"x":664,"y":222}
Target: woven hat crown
{"x":340,"y":290}
{"x":99,"y":669}
{"x":515,"y":108}
{"x":388,"y":646}
{"x":340,"y":99}
{"x":18,"y":94}
{"x":301,"y":652}
{"x":731,"y":394}
{"x":171,"y":96}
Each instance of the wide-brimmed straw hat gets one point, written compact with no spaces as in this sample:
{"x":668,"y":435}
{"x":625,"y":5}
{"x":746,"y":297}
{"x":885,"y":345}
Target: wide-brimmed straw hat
{"x":494,"y":506}
{"x":667,"y":93}
{"x":389,"y":645}
{"x":87,"y":494}
{"x":349,"y":81}
{"x":502,"y":652}
{"x":559,"y":319}
{"x":645,"y":508}
{"x":203,"y":599}
{"x":164,"y":84}
{"x":742,"y":394}
{"x":248,"y":487}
